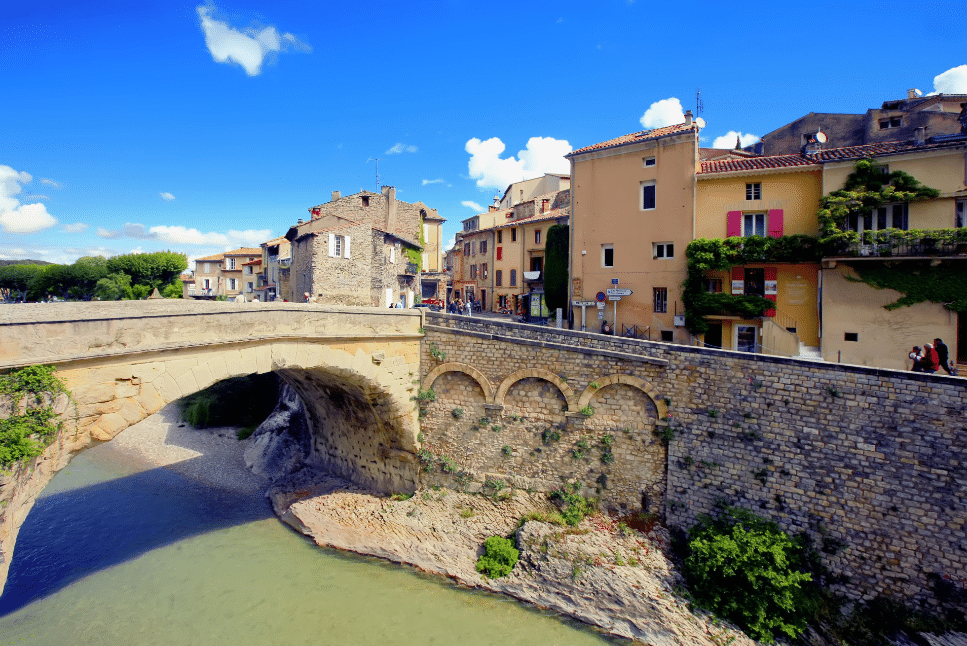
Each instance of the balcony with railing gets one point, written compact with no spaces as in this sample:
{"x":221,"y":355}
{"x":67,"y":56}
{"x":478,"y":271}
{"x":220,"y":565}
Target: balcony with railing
{"x":896,"y":243}
{"x":409,"y":269}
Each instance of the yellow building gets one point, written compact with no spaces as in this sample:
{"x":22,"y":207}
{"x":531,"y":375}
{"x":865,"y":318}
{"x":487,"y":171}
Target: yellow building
{"x":856,"y":326}
{"x":765,"y":196}
{"x":632,"y":217}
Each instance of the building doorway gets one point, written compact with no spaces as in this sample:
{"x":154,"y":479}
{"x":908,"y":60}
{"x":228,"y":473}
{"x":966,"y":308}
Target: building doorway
{"x":713,"y":337}
{"x":961,"y":338}
{"x":483,"y":300}
{"x":745,"y":338}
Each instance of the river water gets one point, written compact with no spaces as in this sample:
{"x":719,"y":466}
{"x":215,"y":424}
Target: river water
{"x":120,"y":552}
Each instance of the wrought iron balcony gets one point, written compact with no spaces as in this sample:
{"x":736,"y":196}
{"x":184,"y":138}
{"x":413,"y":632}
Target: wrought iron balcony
{"x":894,"y":243}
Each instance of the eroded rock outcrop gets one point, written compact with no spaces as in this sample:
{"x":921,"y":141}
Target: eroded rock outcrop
{"x":281,"y":443}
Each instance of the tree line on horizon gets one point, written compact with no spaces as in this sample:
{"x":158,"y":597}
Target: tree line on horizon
{"x":127,"y":277}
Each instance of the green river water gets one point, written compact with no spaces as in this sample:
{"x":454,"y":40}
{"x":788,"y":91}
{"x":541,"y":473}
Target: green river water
{"x":117,"y":553}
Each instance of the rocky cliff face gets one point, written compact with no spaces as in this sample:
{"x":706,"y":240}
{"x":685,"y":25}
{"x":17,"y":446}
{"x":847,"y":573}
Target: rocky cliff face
{"x":281,"y":443}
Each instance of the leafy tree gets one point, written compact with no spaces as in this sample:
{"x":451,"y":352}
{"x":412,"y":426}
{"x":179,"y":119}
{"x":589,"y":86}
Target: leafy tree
{"x":85,"y":274}
{"x":52,"y":280}
{"x":174,"y":290}
{"x":158,"y":269}
{"x":555,"y":267}
{"x":746,"y":569}
{"x":15,"y":281}
{"x":114,"y":287}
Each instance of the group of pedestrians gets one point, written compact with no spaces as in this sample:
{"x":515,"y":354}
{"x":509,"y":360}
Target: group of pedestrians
{"x":932,"y":357}
{"x":459,"y":307}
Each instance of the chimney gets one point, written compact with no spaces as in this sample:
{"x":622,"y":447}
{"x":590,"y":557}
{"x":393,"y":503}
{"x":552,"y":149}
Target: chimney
{"x":390,"y":193}
{"x":912,"y":93}
{"x":688,"y":117}
{"x":336,"y":195}
{"x":920,"y":136}
{"x":300,"y":221}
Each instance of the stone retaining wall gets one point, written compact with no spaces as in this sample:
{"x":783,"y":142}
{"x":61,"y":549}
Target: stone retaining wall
{"x":870,"y":463}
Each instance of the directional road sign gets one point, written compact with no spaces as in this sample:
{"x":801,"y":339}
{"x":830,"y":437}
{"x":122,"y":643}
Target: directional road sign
{"x":614,"y":298}
{"x":619,"y":292}
{"x":584,"y":303}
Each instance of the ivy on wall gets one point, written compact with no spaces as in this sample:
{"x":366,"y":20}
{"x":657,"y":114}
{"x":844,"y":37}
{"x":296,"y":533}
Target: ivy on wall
{"x":917,"y":281}
{"x":26,"y":435}
{"x":415,"y":256}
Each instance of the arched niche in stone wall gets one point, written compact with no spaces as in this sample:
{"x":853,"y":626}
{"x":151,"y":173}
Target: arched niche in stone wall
{"x":535,"y":373}
{"x":629,"y":380}
{"x":470,"y":371}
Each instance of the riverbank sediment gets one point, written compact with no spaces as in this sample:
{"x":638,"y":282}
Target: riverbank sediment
{"x":620,"y":581}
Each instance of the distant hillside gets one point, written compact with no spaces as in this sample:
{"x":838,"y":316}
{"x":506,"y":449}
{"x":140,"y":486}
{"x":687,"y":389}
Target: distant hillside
{"x":4,"y":263}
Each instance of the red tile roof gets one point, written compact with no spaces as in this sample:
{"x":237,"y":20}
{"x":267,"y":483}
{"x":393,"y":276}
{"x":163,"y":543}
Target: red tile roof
{"x":845,"y":153}
{"x":756,"y":163}
{"x":635,"y":137}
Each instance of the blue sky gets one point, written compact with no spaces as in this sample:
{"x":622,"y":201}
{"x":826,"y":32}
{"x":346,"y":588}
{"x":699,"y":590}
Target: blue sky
{"x":141,"y":126}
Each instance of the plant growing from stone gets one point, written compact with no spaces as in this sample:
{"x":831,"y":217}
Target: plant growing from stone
{"x":712,"y":413}
{"x":549,"y":435}
{"x":428,"y":395}
{"x":607,"y":457}
{"x":24,"y":436}
{"x":665,"y":434}
{"x":507,"y":450}
{"x":437,"y":353}
{"x":594,"y":385}
{"x":447,"y":465}
{"x":587,"y":411}
{"x":457,"y":413}
{"x":574,"y":507}
{"x":426,"y":459}
{"x":499,"y":557}
{"x":496,"y":428}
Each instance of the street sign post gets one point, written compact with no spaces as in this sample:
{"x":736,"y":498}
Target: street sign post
{"x":583,"y":305}
{"x":620,"y":292}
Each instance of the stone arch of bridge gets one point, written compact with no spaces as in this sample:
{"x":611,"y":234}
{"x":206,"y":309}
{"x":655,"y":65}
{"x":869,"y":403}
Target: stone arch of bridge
{"x":629,"y":380}
{"x":343,"y":392}
{"x":536,"y":373}
{"x":470,"y":371}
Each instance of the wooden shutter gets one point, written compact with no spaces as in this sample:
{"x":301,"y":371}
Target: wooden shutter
{"x":345,"y":253}
{"x":770,"y":273}
{"x":332,"y":245}
{"x":500,"y":253}
{"x":775,"y":223}
{"x":734,"y":225}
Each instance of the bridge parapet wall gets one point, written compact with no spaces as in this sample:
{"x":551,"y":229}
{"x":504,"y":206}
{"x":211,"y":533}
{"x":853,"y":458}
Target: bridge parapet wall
{"x":870,"y":463}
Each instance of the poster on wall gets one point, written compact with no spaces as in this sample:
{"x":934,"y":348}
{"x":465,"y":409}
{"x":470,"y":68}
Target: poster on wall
{"x":738,"y":286}
{"x":772,"y":287}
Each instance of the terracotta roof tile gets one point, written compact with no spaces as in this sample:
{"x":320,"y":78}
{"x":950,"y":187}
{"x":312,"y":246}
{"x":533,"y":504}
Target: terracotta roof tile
{"x":635,"y":137}
{"x":756,"y":163}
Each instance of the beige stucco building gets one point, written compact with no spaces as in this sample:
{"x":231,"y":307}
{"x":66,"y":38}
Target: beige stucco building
{"x":225,"y":274}
{"x":632,"y":217}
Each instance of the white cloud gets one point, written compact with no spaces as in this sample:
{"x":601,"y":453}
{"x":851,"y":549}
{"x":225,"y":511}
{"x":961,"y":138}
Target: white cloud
{"x":432,"y":181}
{"x":249,"y":47}
{"x":49,"y":182}
{"x":402,"y":148}
{"x":167,"y":196}
{"x":666,"y":112}
{"x":449,"y":245}
{"x":14,"y":216}
{"x":953,"y":81}
{"x":473,"y":205}
{"x":109,"y":234}
{"x":184,"y":235}
{"x":728,"y":140}
{"x":77,"y":227}
{"x":542,"y":155}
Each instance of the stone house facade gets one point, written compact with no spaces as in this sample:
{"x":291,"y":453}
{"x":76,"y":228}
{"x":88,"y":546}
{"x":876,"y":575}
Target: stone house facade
{"x":353,"y":251}
{"x":223,"y":274}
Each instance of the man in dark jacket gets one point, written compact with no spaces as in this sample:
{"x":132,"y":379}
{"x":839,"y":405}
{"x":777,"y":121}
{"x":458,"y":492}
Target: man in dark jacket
{"x":943,"y":356}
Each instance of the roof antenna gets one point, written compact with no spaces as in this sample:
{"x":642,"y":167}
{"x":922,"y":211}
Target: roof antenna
{"x":699,"y":105}
{"x":375,"y":159}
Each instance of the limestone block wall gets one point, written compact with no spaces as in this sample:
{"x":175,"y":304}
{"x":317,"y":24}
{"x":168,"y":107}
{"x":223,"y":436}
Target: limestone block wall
{"x":871,"y":464}
{"x":520,"y":416}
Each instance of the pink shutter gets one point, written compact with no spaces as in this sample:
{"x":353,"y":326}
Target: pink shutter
{"x":775,"y":223}
{"x":734,"y":224}
{"x":771,"y":273}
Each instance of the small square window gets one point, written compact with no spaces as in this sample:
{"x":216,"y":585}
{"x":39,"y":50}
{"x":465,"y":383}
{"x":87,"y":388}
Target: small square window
{"x":607,"y":255}
{"x":663,"y":250}
{"x":365,"y":200}
{"x":648,"y":161}
{"x":851,"y":336}
{"x":753,"y":191}
{"x":667,"y":336}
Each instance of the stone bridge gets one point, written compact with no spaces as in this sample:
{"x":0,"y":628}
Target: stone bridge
{"x":356,"y":370}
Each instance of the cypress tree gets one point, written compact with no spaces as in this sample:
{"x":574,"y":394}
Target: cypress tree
{"x":555,"y":267}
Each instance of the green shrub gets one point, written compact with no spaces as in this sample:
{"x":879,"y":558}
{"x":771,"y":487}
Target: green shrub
{"x":574,"y":507}
{"x":457,"y":413}
{"x":587,"y":411}
{"x":427,"y":459}
{"x":499,"y":557}
{"x":745,"y":569}
{"x":26,"y":436}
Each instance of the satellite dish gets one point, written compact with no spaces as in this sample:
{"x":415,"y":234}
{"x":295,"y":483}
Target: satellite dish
{"x":700,"y":122}
{"x":821,"y":137}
